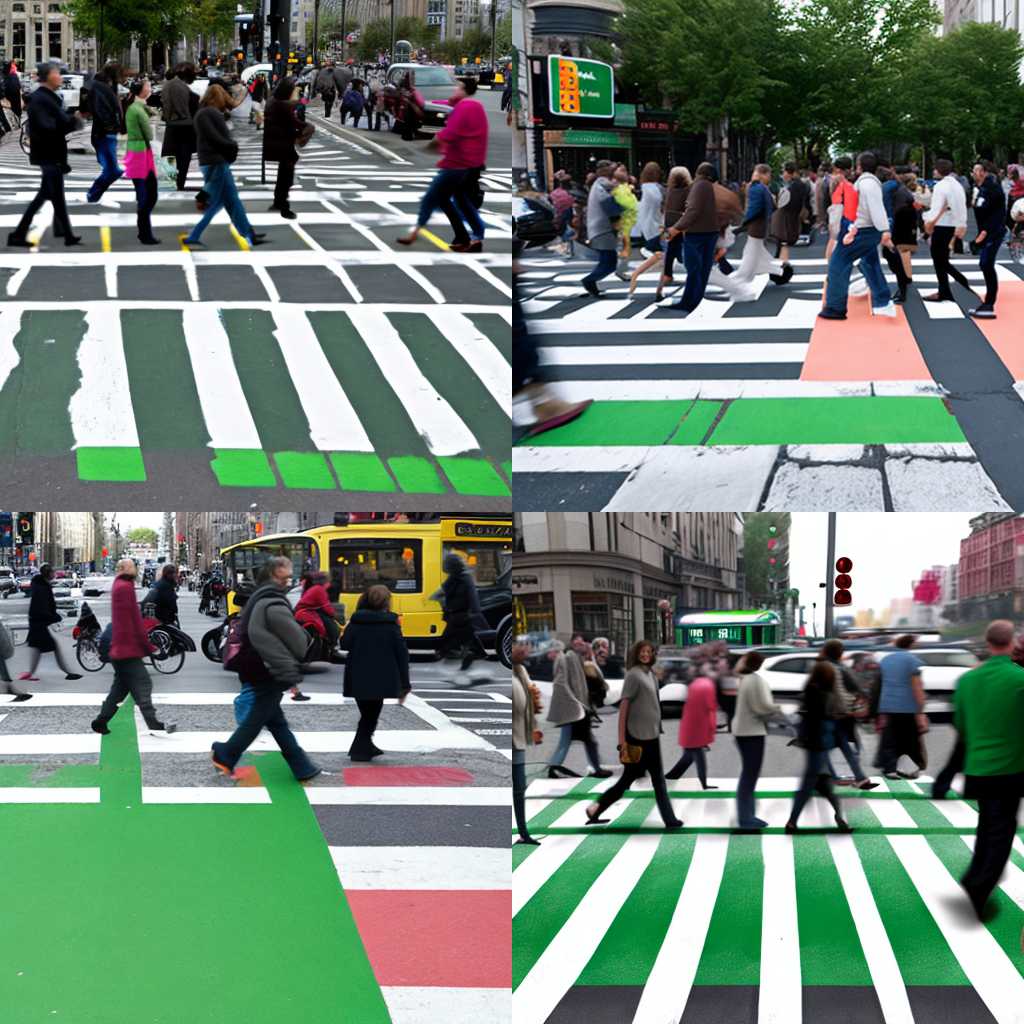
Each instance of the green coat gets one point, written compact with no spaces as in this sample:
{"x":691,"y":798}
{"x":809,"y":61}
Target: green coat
{"x":140,"y":132}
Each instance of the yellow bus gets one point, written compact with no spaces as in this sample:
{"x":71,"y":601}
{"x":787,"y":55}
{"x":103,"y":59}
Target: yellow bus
{"x":405,"y":557}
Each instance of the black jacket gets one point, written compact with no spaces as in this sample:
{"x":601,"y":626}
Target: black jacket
{"x":165,"y":600}
{"x":42,"y":613}
{"x":281,"y":128}
{"x":214,"y":143}
{"x":461,"y":601}
{"x":990,"y":207}
{"x":377,"y":664}
{"x":49,"y":124}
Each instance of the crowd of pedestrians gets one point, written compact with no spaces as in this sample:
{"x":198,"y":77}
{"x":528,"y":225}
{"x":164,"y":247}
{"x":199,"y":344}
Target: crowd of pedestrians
{"x":842,"y":698}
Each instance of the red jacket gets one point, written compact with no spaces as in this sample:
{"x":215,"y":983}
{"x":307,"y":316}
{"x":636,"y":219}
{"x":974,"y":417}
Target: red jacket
{"x":464,"y":137}
{"x":129,"y":639}
{"x":700,"y":714}
{"x":307,"y":610}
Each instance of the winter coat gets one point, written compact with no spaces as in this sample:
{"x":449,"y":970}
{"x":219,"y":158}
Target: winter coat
{"x":311,"y":609}
{"x":464,"y":136}
{"x":281,"y":127}
{"x":49,"y":124}
{"x":787,"y":219}
{"x":107,"y":118}
{"x":214,"y":142}
{"x":137,"y":127}
{"x":760,"y":205}
{"x":42,"y":613}
{"x":699,"y":723}
{"x":128,"y":639}
{"x":990,"y":207}
{"x":165,"y":600}
{"x":174,"y":102}
{"x":569,"y":697}
{"x":601,"y":232}
{"x":675,"y":203}
{"x":377,"y":663}
{"x":342,"y":77}
{"x":728,"y":207}
{"x":276,"y":637}
{"x":701,"y":214}
{"x":461,"y":600}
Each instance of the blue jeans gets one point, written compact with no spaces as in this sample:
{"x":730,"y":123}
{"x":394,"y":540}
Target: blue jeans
{"x":850,"y":751}
{"x":563,"y":748}
{"x":751,"y":754}
{"x":219,"y":184}
{"x":864,"y":248}
{"x":698,"y":258}
{"x":106,"y":154}
{"x":607,"y":261}
{"x":816,"y":775}
{"x":447,"y":185}
{"x":987,"y":263}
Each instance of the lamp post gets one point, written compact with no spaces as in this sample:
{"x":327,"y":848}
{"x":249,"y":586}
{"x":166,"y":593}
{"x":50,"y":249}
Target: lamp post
{"x":316,"y":31}
{"x":391,"y":52}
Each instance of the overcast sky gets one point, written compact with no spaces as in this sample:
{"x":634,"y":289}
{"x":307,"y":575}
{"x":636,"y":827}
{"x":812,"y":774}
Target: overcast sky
{"x":889,"y":550}
{"x":126,"y":520}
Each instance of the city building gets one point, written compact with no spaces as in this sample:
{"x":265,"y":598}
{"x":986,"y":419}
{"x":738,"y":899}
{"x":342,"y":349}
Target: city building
{"x":463,"y":15}
{"x":623,"y":575}
{"x":991,"y":570}
{"x":33,"y":31}
{"x":1006,"y":13}
{"x":67,"y":539}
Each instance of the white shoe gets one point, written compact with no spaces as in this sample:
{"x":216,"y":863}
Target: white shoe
{"x":887,"y":310}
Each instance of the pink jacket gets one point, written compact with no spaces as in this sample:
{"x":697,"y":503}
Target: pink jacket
{"x":700,"y":715}
{"x":464,"y":137}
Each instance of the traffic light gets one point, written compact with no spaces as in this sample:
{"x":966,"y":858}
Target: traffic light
{"x":843,"y":581}
{"x":27,"y":527}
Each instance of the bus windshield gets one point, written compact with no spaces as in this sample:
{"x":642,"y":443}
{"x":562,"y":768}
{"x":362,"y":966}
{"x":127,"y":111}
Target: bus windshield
{"x":243,"y":564}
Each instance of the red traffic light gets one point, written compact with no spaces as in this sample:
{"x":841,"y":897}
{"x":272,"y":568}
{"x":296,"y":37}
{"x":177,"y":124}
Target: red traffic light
{"x":843,"y":597}
{"x":105,"y":552}
{"x":844,"y":582}
{"x":844,"y":564}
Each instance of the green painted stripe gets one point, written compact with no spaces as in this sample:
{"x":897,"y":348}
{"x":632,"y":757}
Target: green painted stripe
{"x":65,"y":775}
{"x":305,"y":470}
{"x":473,"y":476}
{"x":120,"y":767}
{"x":378,"y":407}
{"x":416,"y":475}
{"x":120,"y":465}
{"x":540,"y":920}
{"x":361,"y":471}
{"x":732,"y":948}
{"x":922,"y":953}
{"x":34,"y":401}
{"x":554,"y":810}
{"x":269,"y":392}
{"x":242,"y":467}
{"x":495,"y":327}
{"x":168,"y":414}
{"x":445,"y":364}
{"x":626,"y":954}
{"x":520,"y":853}
{"x":855,"y":420}
{"x":830,"y":950}
{"x":506,"y":468}
{"x":728,"y":830}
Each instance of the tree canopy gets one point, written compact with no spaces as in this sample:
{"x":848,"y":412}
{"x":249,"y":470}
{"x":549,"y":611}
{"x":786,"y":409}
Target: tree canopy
{"x":142,"y":535}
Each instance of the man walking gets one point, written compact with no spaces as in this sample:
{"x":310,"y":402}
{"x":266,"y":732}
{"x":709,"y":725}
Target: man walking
{"x":325,"y":86}
{"x":988,"y":711}
{"x":273,"y":646}
{"x":107,"y":123}
{"x":990,"y":214}
{"x":901,"y":716}
{"x":757,"y":220}
{"x":462,"y":614}
{"x":861,"y":241}
{"x":49,"y":125}
{"x":603,"y":214}
{"x":946,"y":220}
{"x":699,"y":227}
{"x":128,"y":646}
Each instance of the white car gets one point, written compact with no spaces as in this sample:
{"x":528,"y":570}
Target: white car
{"x":97,"y":585}
{"x":71,"y":91}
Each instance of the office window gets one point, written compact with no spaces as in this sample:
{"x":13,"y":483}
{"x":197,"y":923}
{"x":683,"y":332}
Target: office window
{"x":56,"y":41}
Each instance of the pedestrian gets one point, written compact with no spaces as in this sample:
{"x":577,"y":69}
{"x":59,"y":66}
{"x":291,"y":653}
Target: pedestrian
{"x":343,"y":75}
{"x":12,"y":90}
{"x":603,"y":215}
{"x":411,"y":106}
{"x":649,"y":219}
{"x":129,"y":644}
{"x":944,"y":221}
{"x":217,"y":151}
{"x":317,"y":615}
{"x":819,"y":707}
{"x":757,"y":219}
{"x":7,"y":651}
{"x":525,"y":734}
{"x":625,"y":196}
{"x":325,"y":87}
{"x":895,"y":195}
{"x":860,"y":242}
{"x":697,"y":727}
{"x":988,"y":712}
{"x":672,"y":203}
{"x":597,"y":686}
{"x":639,"y":737}
{"x":901,"y":719}
{"x":905,"y":215}
{"x":791,"y":211}
{"x":352,"y":103}
{"x":853,"y":704}
{"x":464,"y":143}
{"x":107,"y":124}
{"x":179,"y":105}
{"x":49,"y":126}
{"x":823,"y":196}
{"x":729,"y":210}
{"x":570,"y":709}
{"x":1015,"y":193}
{"x":754,"y":707}
{"x":699,"y":227}
{"x":461,"y":612}
{"x":564,"y":205}
{"x":376,"y":665}
{"x":990,"y":216}
{"x":164,"y":596}
{"x":283,"y":129}
{"x":260,"y":92}
{"x":269,"y":661}
{"x":42,"y":614}
{"x":139,"y":164}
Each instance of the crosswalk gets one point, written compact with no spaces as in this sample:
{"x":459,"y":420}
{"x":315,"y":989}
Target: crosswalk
{"x":416,"y":842}
{"x":485,"y":713}
{"x":763,"y":398}
{"x":633,"y":924}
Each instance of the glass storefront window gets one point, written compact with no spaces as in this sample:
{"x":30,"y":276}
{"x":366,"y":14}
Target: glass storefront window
{"x":486,"y":560}
{"x":652,"y":620}
{"x":610,"y":615}
{"x":538,"y":611}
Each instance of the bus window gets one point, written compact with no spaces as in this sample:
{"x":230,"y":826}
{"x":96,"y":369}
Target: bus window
{"x":244,"y":563}
{"x":484,"y":560}
{"x":361,"y":562}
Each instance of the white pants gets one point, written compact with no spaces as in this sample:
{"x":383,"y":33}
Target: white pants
{"x":756,"y":260}
{"x":737,"y":290}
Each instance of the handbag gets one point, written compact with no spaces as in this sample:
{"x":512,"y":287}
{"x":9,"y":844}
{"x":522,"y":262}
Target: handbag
{"x":166,"y":173}
{"x":630,"y":753}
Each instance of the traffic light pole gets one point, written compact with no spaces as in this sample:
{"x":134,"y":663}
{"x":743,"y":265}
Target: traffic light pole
{"x":830,"y":562}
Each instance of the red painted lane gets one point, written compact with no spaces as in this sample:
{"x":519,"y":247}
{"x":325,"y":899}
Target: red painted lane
{"x":440,"y":938}
{"x":864,"y":347}
{"x":1004,"y":333}
{"x":406,"y":776}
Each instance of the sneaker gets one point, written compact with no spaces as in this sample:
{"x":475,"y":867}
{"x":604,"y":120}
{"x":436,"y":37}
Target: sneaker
{"x":889,"y":309}
{"x":14,"y":242}
{"x":936,"y":297}
{"x":309,"y":778}
{"x":163,"y":732}
{"x":602,"y":773}
{"x":289,"y":214}
{"x":754,"y":823}
{"x":909,"y":775}
{"x":591,"y":289}
{"x":867,"y":784}
{"x":26,"y":677}
{"x":858,"y":286}
{"x":19,"y":697}
{"x":100,"y":727}
{"x":831,"y":314}
{"x":982,"y":312}
{"x":899,"y":297}
{"x":301,"y":696}
{"x":218,"y":759}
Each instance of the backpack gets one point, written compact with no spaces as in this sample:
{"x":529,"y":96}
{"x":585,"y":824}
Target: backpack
{"x":105,"y":640}
{"x":239,"y":655}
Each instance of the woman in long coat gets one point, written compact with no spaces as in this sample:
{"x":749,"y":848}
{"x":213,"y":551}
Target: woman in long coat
{"x":697,"y":727}
{"x":42,"y":614}
{"x":570,"y":709}
{"x":281,"y":128}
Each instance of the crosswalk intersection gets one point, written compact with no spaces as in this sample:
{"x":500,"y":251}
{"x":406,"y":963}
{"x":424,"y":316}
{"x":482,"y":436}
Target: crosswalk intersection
{"x":633,"y":924}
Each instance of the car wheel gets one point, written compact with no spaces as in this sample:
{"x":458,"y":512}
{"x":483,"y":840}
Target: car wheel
{"x":504,"y":641}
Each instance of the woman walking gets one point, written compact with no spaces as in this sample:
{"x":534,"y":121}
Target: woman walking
{"x":139,"y":164}
{"x":42,"y":614}
{"x":904,"y":227}
{"x":179,"y":105}
{"x":377,"y":665}
{"x":680,"y":181}
{"x":754,"y":706}
{"x":282,"y":127}
{"x":818,"y":709}
{"x":217,"y":151}
{"x":649,"y":219}
{"x":570,"y":709}
{"x":697,"y":727}
{"x":699,"y":228}
{"x":107,"y":124}
{"x":6,"y":651}
{"x":525,"y":734}
{"x":639,"y":737}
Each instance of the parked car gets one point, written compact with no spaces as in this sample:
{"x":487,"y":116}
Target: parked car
{"x":496,"y":604}
{"x":8,"y":582}
{"x":533,"y":219}
{"x":96,"y":585}
{"x":436,"y":84}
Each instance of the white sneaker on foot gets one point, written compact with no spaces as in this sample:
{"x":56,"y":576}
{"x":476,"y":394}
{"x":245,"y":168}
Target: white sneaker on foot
{"x":887,"y":310}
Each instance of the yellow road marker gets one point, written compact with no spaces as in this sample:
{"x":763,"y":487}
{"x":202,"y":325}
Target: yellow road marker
{"x":439,"y":242}
{"x":105,"y":238}
{"x":181,"y":242}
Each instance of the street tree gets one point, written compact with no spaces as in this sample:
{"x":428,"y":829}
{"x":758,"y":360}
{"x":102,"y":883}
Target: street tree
{"x":142,"y":535}
{"x":763,"y":579}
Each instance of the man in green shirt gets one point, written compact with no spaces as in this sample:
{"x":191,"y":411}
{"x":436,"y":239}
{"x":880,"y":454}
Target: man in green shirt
{"x":989,"y":716}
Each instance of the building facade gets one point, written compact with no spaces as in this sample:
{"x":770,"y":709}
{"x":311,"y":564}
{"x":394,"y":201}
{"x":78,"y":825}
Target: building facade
{"x":623,"y":575}
{"x":1005,"y":13}
{"x":991,"y":570}
{"x":33,"y":31}
{"x":68,"y":539}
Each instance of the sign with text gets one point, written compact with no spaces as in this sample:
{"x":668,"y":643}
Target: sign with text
{"x":580,"y":88}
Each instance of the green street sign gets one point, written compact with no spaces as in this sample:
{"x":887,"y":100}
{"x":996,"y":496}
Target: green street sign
{"x":580,"y":88}
{"x":625,"y":115}
{"x":576,"y":137}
